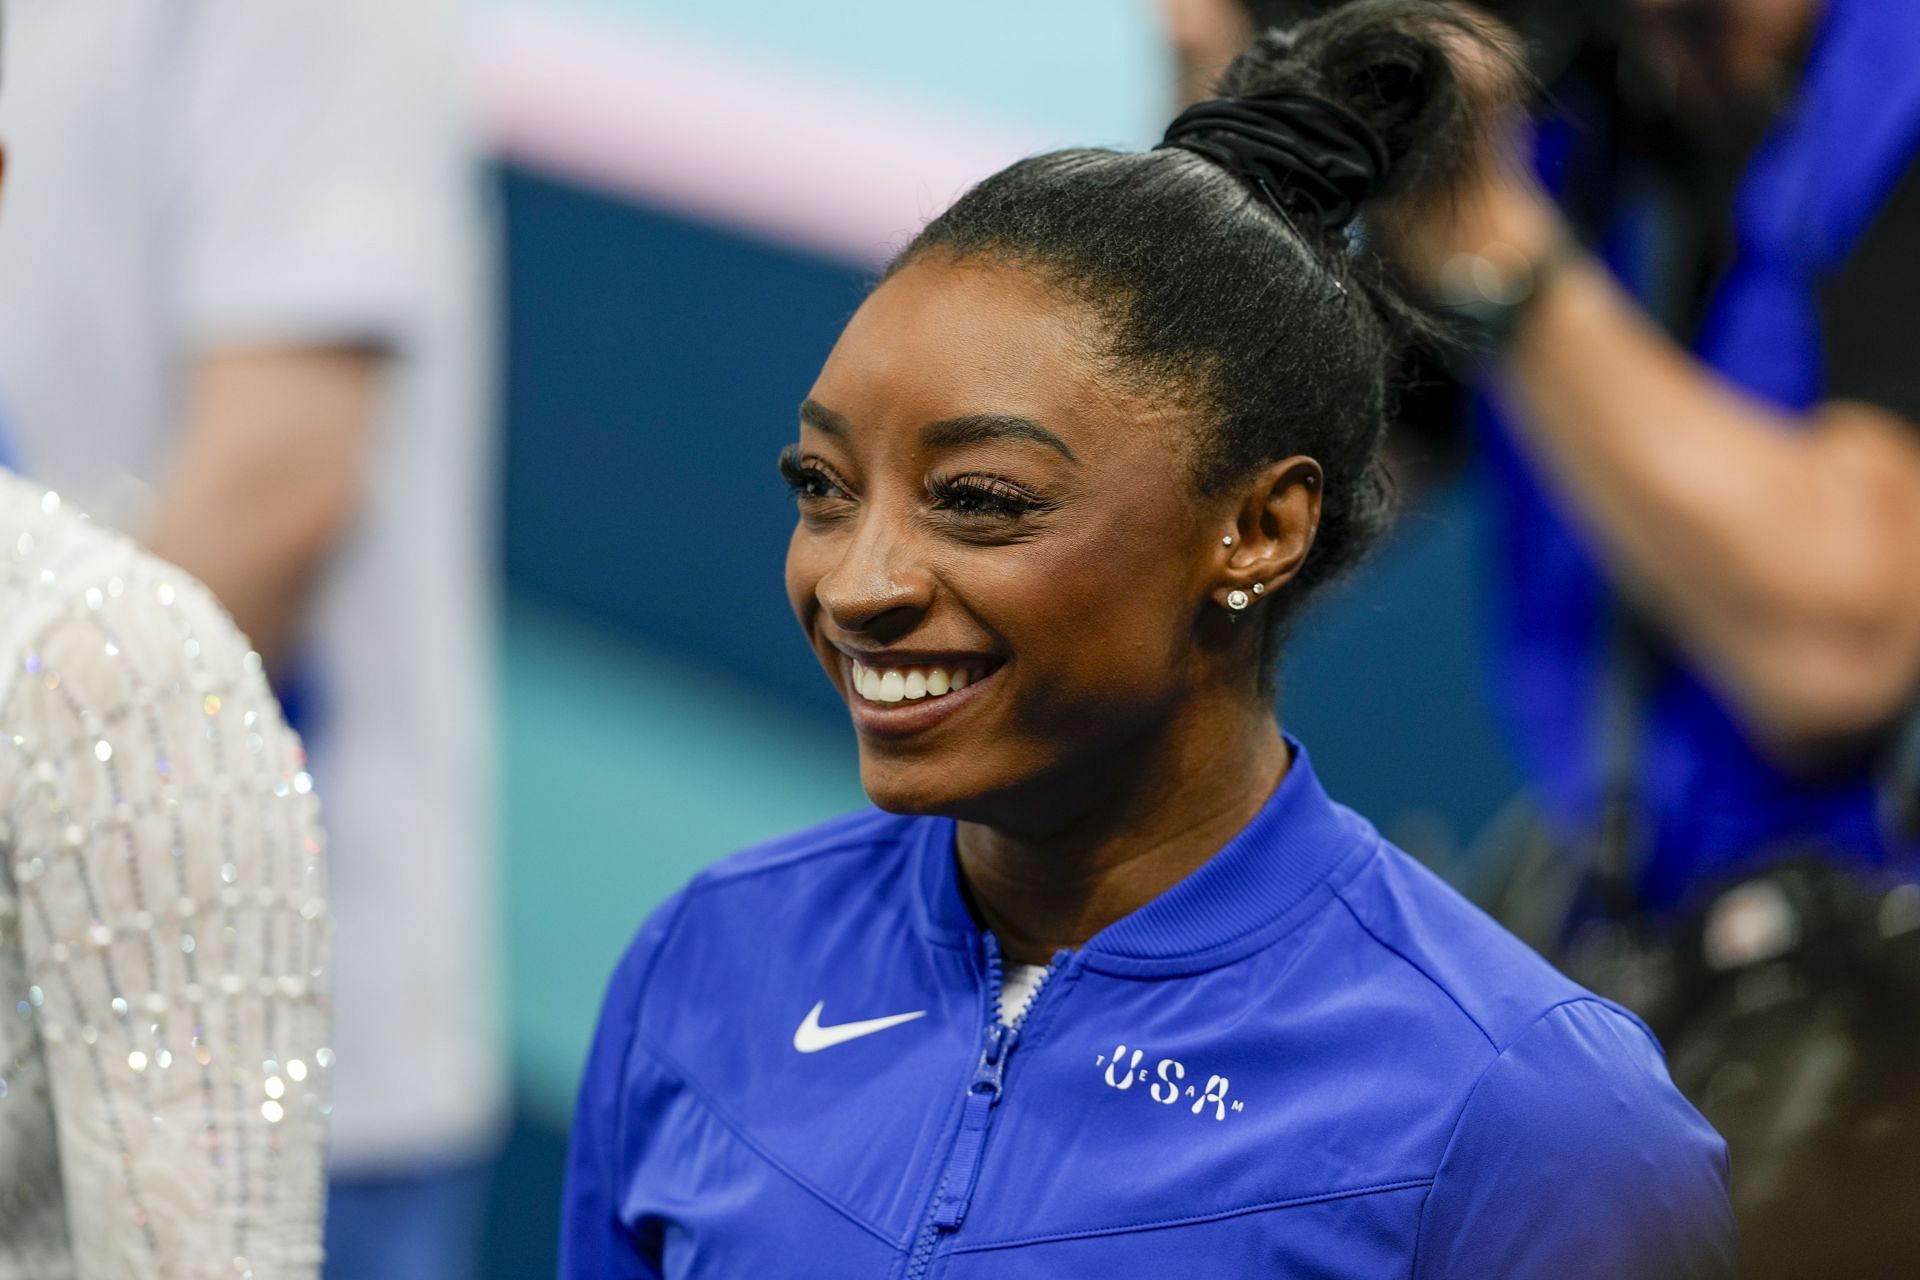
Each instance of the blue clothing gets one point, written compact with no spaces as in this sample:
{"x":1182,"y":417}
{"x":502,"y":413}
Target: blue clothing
{"x":1707,"y":803}
{"x":1309,"y":1058}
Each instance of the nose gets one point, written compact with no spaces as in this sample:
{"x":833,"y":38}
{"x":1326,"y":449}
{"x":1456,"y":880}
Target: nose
{"x":876,"y":588}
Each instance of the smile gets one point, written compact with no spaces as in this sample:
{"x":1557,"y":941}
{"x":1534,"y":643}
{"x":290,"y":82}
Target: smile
{"x":911,"y":684}
{"x":900,"y":701}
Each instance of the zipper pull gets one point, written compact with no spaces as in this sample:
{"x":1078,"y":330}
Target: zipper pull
{"x":987,"y":1076}
{"x":983,"y":1094}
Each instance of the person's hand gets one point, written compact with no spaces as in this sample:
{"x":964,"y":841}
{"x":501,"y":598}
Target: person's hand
{"x":1492,"y":215}
{"x":1205,"y":35}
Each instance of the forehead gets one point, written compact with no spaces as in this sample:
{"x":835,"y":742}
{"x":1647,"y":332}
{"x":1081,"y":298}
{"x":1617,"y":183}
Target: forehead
{"x":943,"y":339}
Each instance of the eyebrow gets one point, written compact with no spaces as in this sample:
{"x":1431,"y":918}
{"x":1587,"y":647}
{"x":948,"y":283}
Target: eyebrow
{"x":821,"y":418}
{"x":948,"y":433}
{"x":981,"y":427}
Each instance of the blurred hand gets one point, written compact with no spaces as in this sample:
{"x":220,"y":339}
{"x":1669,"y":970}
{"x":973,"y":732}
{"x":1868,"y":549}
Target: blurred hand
{"x":1493,"y":207}
{"x":1205,"y":35}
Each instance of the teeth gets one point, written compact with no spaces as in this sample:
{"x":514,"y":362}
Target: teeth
{"x":910,"y":684}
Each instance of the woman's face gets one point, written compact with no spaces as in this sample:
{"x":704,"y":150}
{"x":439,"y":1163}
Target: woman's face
{"x":1000,"y":558}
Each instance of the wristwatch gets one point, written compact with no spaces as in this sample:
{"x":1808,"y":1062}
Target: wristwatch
{"x":1485,"y":296}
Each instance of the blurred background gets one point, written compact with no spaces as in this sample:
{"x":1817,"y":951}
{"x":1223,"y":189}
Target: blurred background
{"x":692,"y":199}
{"x":452,"y":344}
{"x":244,"y":315}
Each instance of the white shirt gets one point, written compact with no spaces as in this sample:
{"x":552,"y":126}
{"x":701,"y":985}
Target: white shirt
{"x":163,"y":937}
{"x":187,"y":174}
{"x":1018,"y":985}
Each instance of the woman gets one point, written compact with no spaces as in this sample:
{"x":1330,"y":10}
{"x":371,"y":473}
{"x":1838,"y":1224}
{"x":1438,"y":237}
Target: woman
{"x":1111,"y":987}
{"x":162,"y":925}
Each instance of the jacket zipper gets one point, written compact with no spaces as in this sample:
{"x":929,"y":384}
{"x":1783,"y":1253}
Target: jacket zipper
{"x":955,"y":1192}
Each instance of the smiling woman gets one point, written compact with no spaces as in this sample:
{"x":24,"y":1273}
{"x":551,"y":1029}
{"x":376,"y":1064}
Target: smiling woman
{"x":1068,"y":472}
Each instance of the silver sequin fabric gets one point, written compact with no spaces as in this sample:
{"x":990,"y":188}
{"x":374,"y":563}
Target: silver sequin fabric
{"x":164,"y":938}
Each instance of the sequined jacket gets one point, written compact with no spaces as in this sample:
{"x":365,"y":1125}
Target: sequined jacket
{"x":163,"y":938}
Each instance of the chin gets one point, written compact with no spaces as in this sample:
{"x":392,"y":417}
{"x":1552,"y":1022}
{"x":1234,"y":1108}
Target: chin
{"x":935,"y":787}
{"x":1012,"y":797}
{"x":918,"y":788}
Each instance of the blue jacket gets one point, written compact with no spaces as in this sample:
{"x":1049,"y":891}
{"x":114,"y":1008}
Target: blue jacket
{"x":1310,"y":1058}
{"x":1709,"y":805}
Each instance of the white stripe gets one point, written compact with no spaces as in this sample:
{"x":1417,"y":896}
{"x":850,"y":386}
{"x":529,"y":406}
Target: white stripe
{"x":708,"y":133}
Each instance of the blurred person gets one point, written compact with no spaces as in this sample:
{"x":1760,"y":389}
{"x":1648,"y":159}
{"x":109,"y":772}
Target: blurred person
{"x":1705,"y":440}
{"x":163,"y":933}
{"x":1110,"y":986}
{"x":242,"y":320}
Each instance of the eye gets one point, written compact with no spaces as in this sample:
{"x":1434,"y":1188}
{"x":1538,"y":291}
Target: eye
{"x":807,"y":479}
{"x":984,"y":497}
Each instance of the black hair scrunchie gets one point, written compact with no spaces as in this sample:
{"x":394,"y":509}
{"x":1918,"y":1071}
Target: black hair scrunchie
{"x":1289,"y":144}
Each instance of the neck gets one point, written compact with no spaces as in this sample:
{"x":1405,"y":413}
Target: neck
{"x":1152,"y":813}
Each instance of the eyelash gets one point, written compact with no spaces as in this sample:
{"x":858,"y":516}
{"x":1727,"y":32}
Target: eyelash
{"x":804,"y":474}
{"x":984,"y":497}
{"x":970,"y":496}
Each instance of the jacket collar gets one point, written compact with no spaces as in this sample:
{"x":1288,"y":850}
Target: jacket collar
{"x":1240,"y":899}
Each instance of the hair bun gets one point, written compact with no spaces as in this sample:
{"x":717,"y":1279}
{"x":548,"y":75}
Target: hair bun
{"x":1391,"y":63}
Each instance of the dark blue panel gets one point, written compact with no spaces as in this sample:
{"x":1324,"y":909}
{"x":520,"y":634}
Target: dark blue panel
{"x":523,"y":1219}
{"x":654,"y":370}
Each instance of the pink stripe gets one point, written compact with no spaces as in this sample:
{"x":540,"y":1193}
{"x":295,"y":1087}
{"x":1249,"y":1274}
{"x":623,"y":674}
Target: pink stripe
{"x":700,"y":132}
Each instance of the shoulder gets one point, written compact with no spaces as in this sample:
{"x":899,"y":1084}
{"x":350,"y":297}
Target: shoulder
{"x":124,"y":684}
{"x":101,"y":623}
{"x":1574,"y":1156}
{"x":1468,"y":964}
{"x":1570,"y":1153}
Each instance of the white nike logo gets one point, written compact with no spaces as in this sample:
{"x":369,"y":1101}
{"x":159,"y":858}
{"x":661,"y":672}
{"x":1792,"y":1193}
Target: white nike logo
{"x":811,"y":1037}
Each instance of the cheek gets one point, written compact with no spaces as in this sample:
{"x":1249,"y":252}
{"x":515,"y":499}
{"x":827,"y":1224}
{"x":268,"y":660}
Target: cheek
{"x":1100,"y":619}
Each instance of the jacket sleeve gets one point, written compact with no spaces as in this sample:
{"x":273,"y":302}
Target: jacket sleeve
{"x":173,"y":927}
{"x":1575,"y":1158}
{"x":596,"y":1241}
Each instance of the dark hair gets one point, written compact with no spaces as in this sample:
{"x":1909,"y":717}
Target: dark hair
{"x":1283,"y":335}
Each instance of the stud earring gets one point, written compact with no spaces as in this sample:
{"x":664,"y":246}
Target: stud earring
{"x":1238,"y":600}
{"x":1226,"y":542}
{"x":1259,"y":588}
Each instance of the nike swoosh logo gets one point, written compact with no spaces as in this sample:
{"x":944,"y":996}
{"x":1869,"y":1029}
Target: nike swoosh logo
{"x":811,"y":1037}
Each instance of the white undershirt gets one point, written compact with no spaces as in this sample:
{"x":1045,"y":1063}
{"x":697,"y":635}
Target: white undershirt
{"x":1017,"y":985}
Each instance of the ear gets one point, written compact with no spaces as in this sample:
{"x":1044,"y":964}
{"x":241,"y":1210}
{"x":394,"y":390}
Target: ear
{"x":1275,"y":523}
